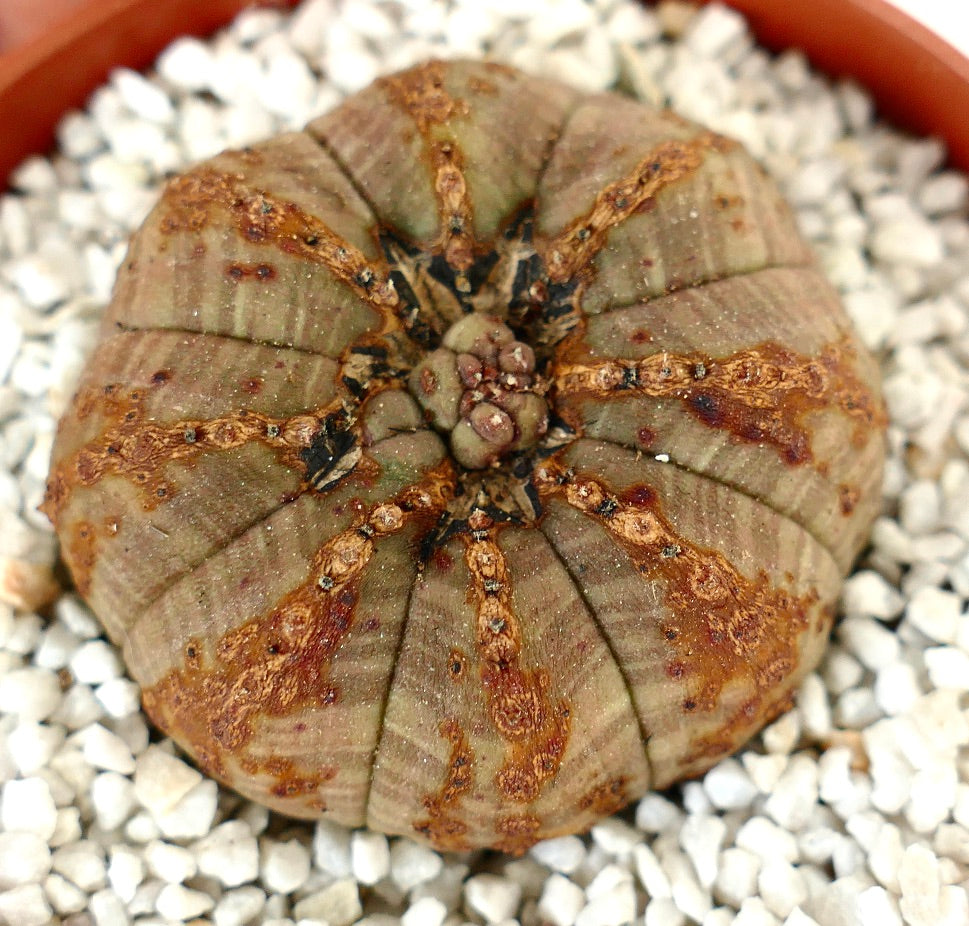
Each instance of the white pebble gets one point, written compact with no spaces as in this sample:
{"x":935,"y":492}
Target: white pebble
{"x":287,"y":87}
{"x":857,"y":708}
{"x":120,"y":696}
{"x":615,"y":907}
{"x":932,"y":797}
{"x":78,"y":135}
{"x":661,"y":911}
{"x":96,"y":662}
{"x":108,"y":909}
{"x":78,"y":708}
{"x":885,"y":856}
{"x":694,"y":798}
{"x":753,"y":912}
{"x":31,"y":745}
{"x":687,"y":893}
{"x":920,"y":502}
{"x":767,"y":840}
{"x":897,"y":688}
{"x":161,"y":779}
{"x":31,"y":693}
{"x":919,"y":879}
{"x":370,"y":856}
{"x":106,"y":750}
{"x":736,"y":875}
{"x":907,"y":239}
{"x":229,"y":853}
{"x":34,"y":175}
{"x":113,"y":798}
{"x":338,"y":904}
{"x":792,"y":801}
{"x":25,"y":906}
{"x":192,"y":816}
{"x":126,"y":870}
{"x":943,"y":192}
{"x":840,"y":671}
{"x":146,"y":895}
{"x":782,"y":887}
{"x":77,"y":617}
{"x":571,"y":18}
{"x":63,"y":896}
{"x":173,"y":864}
{"x":701,"y":838}
{"x":783,"y":734}
{"x":607,"y":878}
{"x":83,"y":863}
{"x":492,"y":897}
{"x":429,"y":911}
{"x":143,"y":98}
{"x":42,"y":279}
{"x":56,"y":647}
{"x":764,"y":771}
{"x":876,"y":907}
{"x":331,"y":849}
{"x":239,"y":906}
{"x":615,"y":837}
{"x":948,"y":667}
{"x":177,"y":902}
{"x":813,"y":707}
{"x":24,"y":858}
{"x":834,"y":774}
{"x":410,"y":864}
{"x":68,"y":827}
{"x":27,"y":804}
{"x":561,"y":900}
{"x":870,"y":642}
{"x":935,"y":612}
{"x":651,"y":873}
{"x":655,"y":814}
{"x":728,"y":786}
{"x":187,"y":64}
{"x":564,"y":854}
{"x":285,"y":866}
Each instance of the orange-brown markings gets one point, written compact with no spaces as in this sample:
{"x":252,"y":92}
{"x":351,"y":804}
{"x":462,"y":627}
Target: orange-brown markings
{"x":518,"y":833}
{"x":265,"y":220}
{"x":136,"y":448}
{"x":534,"y":726}
{"x":754,"y":713}
{"x":456,"y":665}
{"x":291,"y":782}
{"x":421,"y":93}
{"x":761,"y":395}
{"x":724,"y":201}
{"x":455,"y":241}
{"x":80,"y":549}
{"x":277,"y":663}
{"x":239,"y":272}
{"x":721,"y":626}
{"x":442,"y":825}
{"x":606,"y":798}
{"x":573,"y":249}
{"x":848,"y":498}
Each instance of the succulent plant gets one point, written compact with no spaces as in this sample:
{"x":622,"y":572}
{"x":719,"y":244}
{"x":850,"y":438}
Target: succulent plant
{"x":470,"y":462}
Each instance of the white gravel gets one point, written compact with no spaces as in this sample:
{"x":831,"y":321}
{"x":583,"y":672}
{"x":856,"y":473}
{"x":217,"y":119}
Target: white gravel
{"x":852,"y":810}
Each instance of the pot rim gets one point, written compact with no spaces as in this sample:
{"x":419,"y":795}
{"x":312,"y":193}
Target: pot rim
{"x":918,"y":80}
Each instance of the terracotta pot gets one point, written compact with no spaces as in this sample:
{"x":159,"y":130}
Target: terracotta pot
{"x":918,"y":80}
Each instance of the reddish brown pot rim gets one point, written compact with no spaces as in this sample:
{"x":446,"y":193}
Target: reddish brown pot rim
{"x":918,"y":80}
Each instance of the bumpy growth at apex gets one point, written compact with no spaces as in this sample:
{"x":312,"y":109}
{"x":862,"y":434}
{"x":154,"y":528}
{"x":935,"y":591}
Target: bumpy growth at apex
{"x":470,"y":462}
